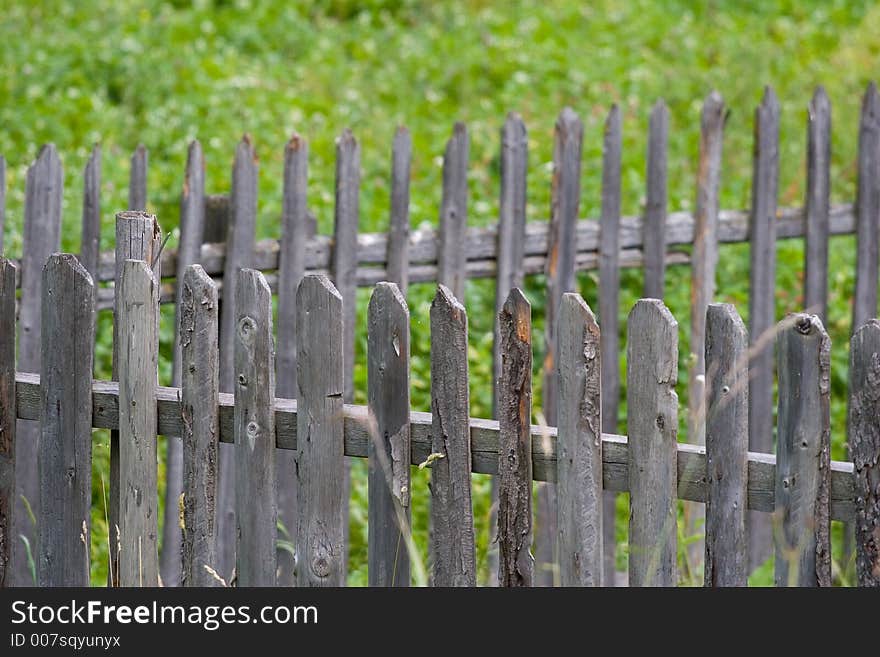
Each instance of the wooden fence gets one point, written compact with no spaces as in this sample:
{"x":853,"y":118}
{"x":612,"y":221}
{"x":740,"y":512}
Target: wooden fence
{"x":218,"y":232}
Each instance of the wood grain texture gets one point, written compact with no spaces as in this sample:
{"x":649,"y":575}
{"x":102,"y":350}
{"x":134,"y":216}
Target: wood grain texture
{"x":762,"y":300}
{"x":44,"y":187}
{"x":291,"y":263}
{"x":7,"y":418}
{"x":137,"y":181}
{"x":691,"y":459}
{"x":254,"y":420}
{"x":90,"y":248}
{"x":398,"y":229}
{"x":652,"y":423}
{"x":803,"y":453}
{"x":579,"y":446}
{"x":705,"y":256}
{"x":817,"y":206}
{"x":727,"y":446}
{"x":389,"y":522}
{"x":320,"y":465}
{"x":654,"y":239}
{"x":192,"y":226}
{"x":65,"y":446}
{"x":516,"y":567}
{"x":867,"y":209}
{"x":240,"y":248}
{"x":138,"y":237}
{"x":198,"y":331}
{"x":451,"y":261}
{"x":137,"y":312}
{"x":453,"y":556}
{"x":559,"y":271}
{"x":609,"y":309}
{"x":864,"y":446}
{"x":345,"y":228}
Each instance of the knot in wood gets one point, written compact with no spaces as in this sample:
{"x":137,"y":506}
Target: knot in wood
{"x":804,"y":324}
{"x":246,"y":328}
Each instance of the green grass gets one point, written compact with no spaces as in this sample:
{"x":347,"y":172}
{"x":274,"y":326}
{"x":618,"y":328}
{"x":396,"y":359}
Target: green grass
{"x":124,"y":72}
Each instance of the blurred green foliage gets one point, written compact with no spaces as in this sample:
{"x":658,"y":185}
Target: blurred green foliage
{"x":163,"y":73}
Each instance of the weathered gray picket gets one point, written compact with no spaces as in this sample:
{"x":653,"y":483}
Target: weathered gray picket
{"x":65,"y":447}
{"x":90,"y":249}
{"x":453,"y":213}
{"x":817,"y":204}
{"x":7,"y":418}
{"x":397,"y":257}
{"x":656,"y":202}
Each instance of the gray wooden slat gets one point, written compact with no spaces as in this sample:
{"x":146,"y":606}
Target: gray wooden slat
{"x":453,"y":555}
{"x":762,"y":301}
{"x":198,"y":331}
{"x":652,"y":423}
{"x":864,"y":446}
{"x":291,"y":263}
{"x":398,"y":233}
{"x":216,"y":221}
{"x":453,"y":213}
{"x":256,"y":515}
{"x":803,"y":454}
{"x":138,"y":237}
{"x":579,"y":446}
{"x":654,"y":239}
{"x":516,"y":567}
{"x":137,"y":182}
{"x":138,"y":311}
{"x":239,"y":248}
{"x":705,"y":256}
{"x":609,"y":308}
{"x":192,"y":223}
{"x":484,"y":444}
{"x":320,"y":462}
{"x":560,"y":264}
{"x":65,"y":445}
{"x":90,"y":250}
{"x":2,"y":199}
{"x":388,"y":352}
{"x":867,"y":209}
{"x":727,"y":445}
{"x":42,"y":237}
{"x":817,"y":205}
{"x":509,"y":260}
{"x":344,"y":265}
{"x":7,"y":417}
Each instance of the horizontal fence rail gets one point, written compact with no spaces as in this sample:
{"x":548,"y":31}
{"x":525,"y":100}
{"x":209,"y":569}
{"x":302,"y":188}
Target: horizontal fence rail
{"x":692,"y":484}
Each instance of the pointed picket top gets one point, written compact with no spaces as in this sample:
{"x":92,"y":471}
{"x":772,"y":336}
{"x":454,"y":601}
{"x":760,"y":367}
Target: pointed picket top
{"x":445,"y":300}
{"x":871,"y":105}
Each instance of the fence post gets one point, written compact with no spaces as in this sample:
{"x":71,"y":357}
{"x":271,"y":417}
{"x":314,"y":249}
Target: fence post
{"x":817,"y":203}
{"x":90,"y":249}
{"x":254,"y":414}
{"x":562,"y":247}
{"x":7,"y":418}
{"x":137,"y":181}
{"x":320,"y":429}
{"x":200,"y":384}
{"x":137,"y":311}
{"x":452,"y":517}
{"x":192,"y":226}
{"x":579,"y":446}
{"x":389,"y":445}
{"x":451,"y":252}
{"x":864,"y":445}
{"x":65,"y":448}
{"x":516,"y":567}
{"x":609,"y":307}
{"x":42,"y":238}
{"x":397,"y":268}
{"x":509,"y":252}
{"x":654,"y":224}
{"x":727,"y":445}
{"x":652,"y":425}
{"x":239,"y":254}
{"x":803,"y":480}
{"x":291,"y":268}
{"x":138,"y":237}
